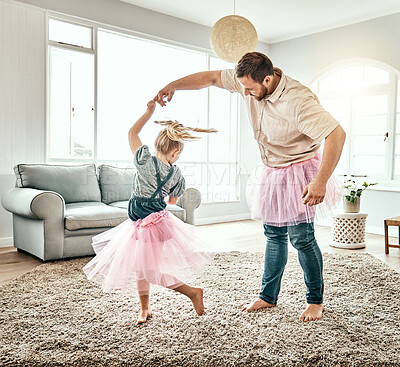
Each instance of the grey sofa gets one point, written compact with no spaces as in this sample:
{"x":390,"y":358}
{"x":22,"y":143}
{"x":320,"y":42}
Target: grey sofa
{"x":57,"y":209}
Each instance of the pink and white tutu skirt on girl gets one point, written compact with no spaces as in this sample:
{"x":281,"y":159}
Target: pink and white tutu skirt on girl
{"x":275,"y":194}
{"x":149,"y":250}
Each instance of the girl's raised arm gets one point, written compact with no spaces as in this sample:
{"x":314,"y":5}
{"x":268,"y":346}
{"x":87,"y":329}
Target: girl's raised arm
{"x":133,"y":134}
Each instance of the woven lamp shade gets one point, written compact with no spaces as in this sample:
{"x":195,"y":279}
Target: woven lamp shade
{"x":233,"y":36}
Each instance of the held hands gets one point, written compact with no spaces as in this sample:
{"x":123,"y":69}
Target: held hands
{"x":314,"y":193}
{"x":168,"y":92}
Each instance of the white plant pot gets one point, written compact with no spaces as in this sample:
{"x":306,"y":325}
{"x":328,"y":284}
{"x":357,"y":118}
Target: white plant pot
{"x":349,"y":207}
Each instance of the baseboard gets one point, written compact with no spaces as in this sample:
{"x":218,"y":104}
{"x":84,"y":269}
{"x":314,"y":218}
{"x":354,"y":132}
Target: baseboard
{"x":393,"y":231}
{"x":222,"y":219}
{"x":6,"y":242}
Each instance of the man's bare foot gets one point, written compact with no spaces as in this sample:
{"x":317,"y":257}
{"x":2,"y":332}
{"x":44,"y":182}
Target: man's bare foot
{"x":312,"y":313}
{"x":256,"y":305}
{"x":197,"y":300}
{"x":143,"y":316}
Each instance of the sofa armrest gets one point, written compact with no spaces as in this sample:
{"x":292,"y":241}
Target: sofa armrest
{"x":44,"y":208}
{"x":33,"y":203}
{"x":190,"y":200}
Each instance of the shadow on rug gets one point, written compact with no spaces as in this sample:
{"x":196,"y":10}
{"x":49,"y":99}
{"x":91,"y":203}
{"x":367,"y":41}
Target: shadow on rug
{"x":53,"y":316}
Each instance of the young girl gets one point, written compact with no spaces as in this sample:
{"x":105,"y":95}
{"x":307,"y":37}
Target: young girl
{"x":150,"y":245}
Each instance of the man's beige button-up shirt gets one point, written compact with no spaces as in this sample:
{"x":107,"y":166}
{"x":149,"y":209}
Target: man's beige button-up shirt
{"x":289,"y":124}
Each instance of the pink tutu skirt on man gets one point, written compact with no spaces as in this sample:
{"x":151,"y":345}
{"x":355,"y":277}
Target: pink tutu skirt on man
{"x":275,"y":194}
{"x":153,"y":249}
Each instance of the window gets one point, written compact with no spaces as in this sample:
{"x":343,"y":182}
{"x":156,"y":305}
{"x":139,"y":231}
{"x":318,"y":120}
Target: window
{"x":71,"y":104}
{"x":71,"y":91}
{"x":130,"y":71}
{"x":361,"y":96}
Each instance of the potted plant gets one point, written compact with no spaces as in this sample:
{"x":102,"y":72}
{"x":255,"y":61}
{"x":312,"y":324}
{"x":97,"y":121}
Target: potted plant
{"x":352,"y":195}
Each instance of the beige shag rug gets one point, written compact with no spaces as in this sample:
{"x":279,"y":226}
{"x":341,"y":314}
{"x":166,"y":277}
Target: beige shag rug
{"x":53,"y":316}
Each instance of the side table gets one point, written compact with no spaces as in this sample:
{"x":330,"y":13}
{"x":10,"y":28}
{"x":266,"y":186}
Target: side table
{"x":348,"y":230}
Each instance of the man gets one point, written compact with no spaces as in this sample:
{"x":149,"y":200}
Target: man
{"x":289,"y":125}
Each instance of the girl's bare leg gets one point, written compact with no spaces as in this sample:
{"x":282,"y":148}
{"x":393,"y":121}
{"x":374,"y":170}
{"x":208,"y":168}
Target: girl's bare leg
{"x":195,"y":294}
{"x":145,"y":312}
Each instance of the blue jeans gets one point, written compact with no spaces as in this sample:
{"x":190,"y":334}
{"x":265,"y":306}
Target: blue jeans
{"x":276,"y":254}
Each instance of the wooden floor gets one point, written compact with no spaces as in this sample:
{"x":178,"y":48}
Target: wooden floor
{"x":244,"y":235}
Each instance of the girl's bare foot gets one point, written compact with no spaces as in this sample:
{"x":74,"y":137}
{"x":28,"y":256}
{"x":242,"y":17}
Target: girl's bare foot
{"x":256,"y":305}
{"x":195,"y":295}
{"x":312,"y":313}
{"x":197,"y":300}
{"x":143,"y":316}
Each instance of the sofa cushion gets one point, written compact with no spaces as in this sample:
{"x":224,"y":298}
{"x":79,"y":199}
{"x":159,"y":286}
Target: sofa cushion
{"x":120,"y":204}
{"x":115,"y":183}
{"x":174,"y":209}
{"x":73,"y":183}
{"x":92,"y":215}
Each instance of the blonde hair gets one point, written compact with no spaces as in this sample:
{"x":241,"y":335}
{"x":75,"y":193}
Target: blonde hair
{"x":174,"y":134}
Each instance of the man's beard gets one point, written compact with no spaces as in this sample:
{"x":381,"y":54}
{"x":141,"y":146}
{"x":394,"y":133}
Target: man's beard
{"x":263,"y":93}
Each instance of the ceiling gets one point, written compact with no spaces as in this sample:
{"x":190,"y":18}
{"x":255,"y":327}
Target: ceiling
{"x":276,"y":20}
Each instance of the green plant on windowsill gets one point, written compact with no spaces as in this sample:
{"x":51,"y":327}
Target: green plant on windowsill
{"x":352,"y":191}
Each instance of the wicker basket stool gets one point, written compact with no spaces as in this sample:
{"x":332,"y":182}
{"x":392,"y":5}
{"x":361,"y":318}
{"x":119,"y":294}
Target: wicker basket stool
{"x":348,"y":230}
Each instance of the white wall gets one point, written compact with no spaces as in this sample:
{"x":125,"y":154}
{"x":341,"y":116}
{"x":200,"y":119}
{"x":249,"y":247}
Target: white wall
{"x":306,"y":57}
{"x":22,"y":73}
{"x":22,"y":95}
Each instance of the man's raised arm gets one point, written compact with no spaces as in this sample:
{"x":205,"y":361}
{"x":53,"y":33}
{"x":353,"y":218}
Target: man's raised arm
{"x":194,"y":81}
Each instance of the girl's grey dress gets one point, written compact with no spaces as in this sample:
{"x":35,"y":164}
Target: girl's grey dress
{"x":154,"y":180}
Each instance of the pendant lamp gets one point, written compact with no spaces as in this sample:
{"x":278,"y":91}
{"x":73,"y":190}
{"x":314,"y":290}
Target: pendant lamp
{"x":233,"y":36}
